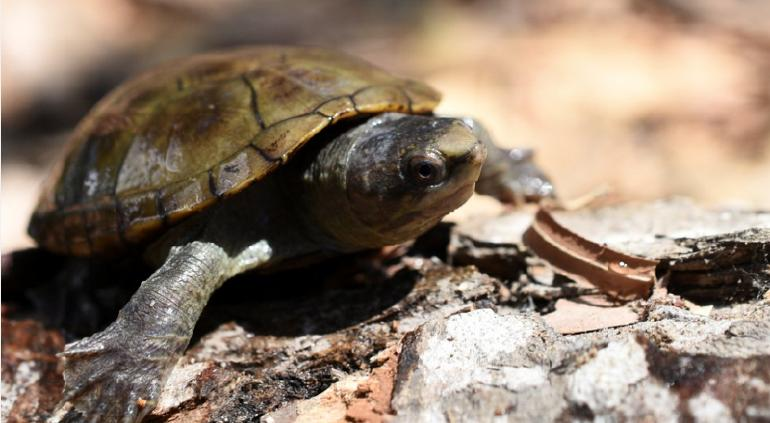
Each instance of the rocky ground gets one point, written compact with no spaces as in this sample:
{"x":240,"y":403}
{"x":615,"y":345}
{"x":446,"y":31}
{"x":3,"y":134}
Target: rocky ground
{"x":652,"y":98}
{"x":466,"y":324}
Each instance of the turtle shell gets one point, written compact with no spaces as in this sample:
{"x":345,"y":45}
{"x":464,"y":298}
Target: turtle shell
{"x":176,"y":139}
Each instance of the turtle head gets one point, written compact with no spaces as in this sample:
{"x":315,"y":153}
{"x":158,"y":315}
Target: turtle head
{"x":390,"y":178}
{"x":405,"y":172}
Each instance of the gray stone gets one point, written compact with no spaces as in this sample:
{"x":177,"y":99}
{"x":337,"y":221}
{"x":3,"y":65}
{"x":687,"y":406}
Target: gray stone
{"x":486,"y":366}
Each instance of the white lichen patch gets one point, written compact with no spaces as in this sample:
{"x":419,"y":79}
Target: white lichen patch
{"x":180,"y":387}
{"x":606,"y":380}
{"x":652,"y":401}
{"x":477,"y":349}
{"x":26,"y":374}
{"x":224,"y":343}
{"x":522,"y":378}
{"x":707,"y":409}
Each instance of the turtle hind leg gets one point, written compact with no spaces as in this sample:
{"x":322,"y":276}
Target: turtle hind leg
{"x":116,"y":375}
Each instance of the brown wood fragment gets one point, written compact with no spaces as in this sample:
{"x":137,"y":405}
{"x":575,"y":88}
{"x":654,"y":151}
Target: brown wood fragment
{"x":31,"y":376}
{"x":373,"y":396}
{"x":588,"y":313}
{"x":620,"y":275}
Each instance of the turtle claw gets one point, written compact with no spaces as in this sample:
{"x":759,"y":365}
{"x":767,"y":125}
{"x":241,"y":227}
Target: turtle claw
{"x":104,"y":405}
{"x":110,"y":379}
{"x":512,"y":177}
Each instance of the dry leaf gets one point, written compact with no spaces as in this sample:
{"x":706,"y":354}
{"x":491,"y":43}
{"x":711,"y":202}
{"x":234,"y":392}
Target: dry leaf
{"x":622,"y":276}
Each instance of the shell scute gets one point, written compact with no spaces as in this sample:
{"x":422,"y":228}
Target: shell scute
{"x":174,"y":140}
{"x":236,"y":170}
{"x":139,"y":213}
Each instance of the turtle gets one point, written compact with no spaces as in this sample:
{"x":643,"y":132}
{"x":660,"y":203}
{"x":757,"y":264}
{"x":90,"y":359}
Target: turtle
{"x":258,"y":157}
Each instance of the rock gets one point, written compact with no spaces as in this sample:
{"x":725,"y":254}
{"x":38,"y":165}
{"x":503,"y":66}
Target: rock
{"x":473,"y":366}
{"x":401,"y":335}
{"x":482,"y":365}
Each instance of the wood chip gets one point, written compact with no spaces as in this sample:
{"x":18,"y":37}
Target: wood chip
{"x":588,"y":313}
{"x":621,"y":276}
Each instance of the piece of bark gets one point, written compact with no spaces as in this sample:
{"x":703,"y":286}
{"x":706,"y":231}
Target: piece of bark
{"x":657,"y":229}
{"x":722,"y":268}
{"x":256,"y":370}
{"x":708,"y":255}
{"x":589,"y":313}
{"x":621,"y":276}
{"x":492,"y":245}
{"x":719,"y":256}
{"x":31,"y":373}
{"x":358,"y":397}
{"x":495,"y":247}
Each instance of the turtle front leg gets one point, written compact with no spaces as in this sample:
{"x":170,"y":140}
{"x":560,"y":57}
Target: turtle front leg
{"x":116,"y":375}
{"x":509,"y":175}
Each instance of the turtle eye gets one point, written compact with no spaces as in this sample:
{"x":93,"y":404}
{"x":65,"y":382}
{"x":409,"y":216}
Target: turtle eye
{"x":426,"y":169}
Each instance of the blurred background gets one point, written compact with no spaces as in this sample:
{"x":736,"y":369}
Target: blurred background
{"x":652,"y":98}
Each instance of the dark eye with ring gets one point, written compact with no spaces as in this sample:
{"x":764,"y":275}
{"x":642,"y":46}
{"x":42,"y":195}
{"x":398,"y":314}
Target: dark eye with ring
{"x":426,"y":169}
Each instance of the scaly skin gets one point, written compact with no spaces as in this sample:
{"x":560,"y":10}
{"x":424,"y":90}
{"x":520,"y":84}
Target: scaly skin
{"x":117,"y":374}
{"x":356,"y":191}
{"x":509,"y":175}
{"x":320,"y":203}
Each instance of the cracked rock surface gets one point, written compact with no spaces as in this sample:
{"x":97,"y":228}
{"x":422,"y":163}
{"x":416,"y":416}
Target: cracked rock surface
{"x":451,"y":328}
{"x":482,"y":365}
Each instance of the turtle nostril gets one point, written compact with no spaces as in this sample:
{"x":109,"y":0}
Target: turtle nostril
{"x":477,"y":154}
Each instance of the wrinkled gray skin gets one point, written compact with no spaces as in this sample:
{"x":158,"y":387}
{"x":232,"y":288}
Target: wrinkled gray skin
{"x":383,"y":182}
{"x":509,"y":174}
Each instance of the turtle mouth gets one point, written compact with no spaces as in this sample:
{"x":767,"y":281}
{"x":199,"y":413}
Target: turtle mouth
{"x":453,"y":200}
{"x":432,"y":210}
